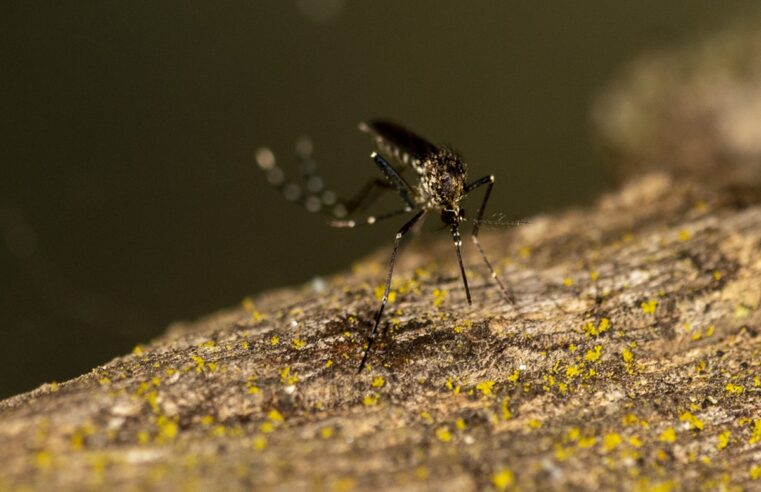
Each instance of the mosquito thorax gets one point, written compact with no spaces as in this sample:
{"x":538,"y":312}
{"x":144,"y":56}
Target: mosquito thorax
{"x":442,"y":182}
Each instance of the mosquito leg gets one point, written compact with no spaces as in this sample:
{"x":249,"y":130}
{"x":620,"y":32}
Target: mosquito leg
{"x":312,"y":194}
{"x":489,"y":181}
{"x":371,"y":338}
{"x":372,"y":219}
{"x":368,"y":194}
{"x":397,"y":181}
{"x":312,"y":197}
{"x":457,"y":244}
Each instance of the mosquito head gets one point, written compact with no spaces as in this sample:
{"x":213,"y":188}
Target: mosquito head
{"x":453,"y":215}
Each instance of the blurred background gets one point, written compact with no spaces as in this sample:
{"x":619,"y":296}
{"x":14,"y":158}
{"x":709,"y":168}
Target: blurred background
{"x":129,"y":196}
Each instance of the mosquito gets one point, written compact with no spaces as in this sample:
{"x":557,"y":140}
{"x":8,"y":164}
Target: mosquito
{"x":440,"y":185}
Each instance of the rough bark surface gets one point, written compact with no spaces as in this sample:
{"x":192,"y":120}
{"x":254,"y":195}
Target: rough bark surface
{"x":631,"y":360}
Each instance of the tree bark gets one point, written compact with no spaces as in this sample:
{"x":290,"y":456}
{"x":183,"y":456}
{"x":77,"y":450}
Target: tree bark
{"x":631,"y":360}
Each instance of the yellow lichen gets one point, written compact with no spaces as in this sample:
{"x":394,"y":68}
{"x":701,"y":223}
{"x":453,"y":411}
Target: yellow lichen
{"x":573,"y":434}
{"x":138,"y":350}
{"x":534,"y":423}
{"x":568,"y":282}
{"x":645,"y":485}
{"x":684,"y":235}
{"x":668,"y":435}
{"x":259,"y":443}
{"x":756,"y":436}
{"x":514,"y":376}
{"x":275,"y":416}
{"x":562,"y":453}
{"x":460,"y":424}
{"x":378,"y":382}
{"x":443,"y":434}
{"x":593,"y":330}
{"x":328,"y":363}
{"x":734,"y":389}
{"x":649,"y":306}
{"x":381,"y":289}
{"x":248,"y":306}
{"x":593,"y":355}
{"x":525,"y":252}
{"x":611,"y":441}
{"x":453,"y":386}
{"x":298,"y":344}
{"x":755,"y":472}
{"x":695,"y":423}
{"x":274,"y":340}
{"x":502,"y":479}
{"x":427,"y":418}
{"x":286,"y":377}
{"x":627,"y":355}
{"x":167,"y":428}
{"x":572,"y":371}
{"x":252,"y":389}
{"x":587,"y":442}
{"x":43,"y":459}
{"x":505,"y":406}
{"x":326,"y":432}
{"x":79,"y":436}
{"x":371,"y":399}
{"x":485,"y":387}
{"x":742,"y":311}
{"x":199,"y":362}
{"x":143,"y":437}
{"x":723,"y":440}
{"x":630,"y":419}
{"x":461,"y":326}
{"x":152,"y":397}
{"x":439,"y":295}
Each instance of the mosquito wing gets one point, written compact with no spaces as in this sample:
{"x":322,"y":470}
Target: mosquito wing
{"x":398,"y":143}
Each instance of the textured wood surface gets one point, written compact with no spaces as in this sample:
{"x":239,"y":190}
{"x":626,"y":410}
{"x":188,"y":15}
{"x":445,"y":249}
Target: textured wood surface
{"x":631,"y":360}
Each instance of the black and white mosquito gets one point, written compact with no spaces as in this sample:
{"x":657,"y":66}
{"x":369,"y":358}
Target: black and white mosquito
{"x":441,"y":185}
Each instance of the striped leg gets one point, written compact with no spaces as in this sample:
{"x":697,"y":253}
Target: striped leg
{"x":311,"y":194}
{"x":489,"y":181}
{"x":371,"y":338}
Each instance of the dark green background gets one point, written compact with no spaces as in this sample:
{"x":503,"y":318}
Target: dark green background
{"x":128,"y":193}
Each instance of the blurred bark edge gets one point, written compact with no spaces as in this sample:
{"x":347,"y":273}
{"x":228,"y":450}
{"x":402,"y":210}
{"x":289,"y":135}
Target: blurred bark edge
{"x":694,"y":110}
{"x":630,"y":361}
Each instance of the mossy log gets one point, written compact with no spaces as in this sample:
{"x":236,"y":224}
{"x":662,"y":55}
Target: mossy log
{"x":631,"y":360}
